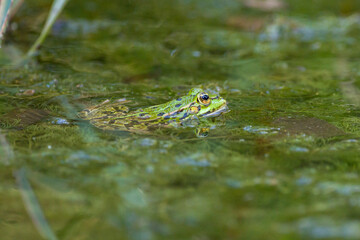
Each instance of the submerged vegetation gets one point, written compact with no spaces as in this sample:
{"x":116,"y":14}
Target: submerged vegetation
{"x":282,"y":164}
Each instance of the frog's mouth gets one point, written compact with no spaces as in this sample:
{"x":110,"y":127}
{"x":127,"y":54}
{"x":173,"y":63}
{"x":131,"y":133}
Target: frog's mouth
{"x":223,"y":109}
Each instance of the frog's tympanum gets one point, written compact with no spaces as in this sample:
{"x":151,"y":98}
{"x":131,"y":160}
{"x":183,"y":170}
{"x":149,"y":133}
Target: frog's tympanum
{"x":195,"y":106}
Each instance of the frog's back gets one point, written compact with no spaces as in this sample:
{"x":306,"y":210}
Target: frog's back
{"x":104,"y":111}
{"x":114,"y":117}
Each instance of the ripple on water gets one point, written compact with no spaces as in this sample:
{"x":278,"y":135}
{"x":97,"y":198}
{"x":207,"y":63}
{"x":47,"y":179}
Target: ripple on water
{"x":196,"y":160}
{"x":261,"y":130}
{"x":233,"y":183}
{"x":80,"y":158}
{"x":298,"y":149}
{"x":146,"y":142}
{"x":302,"y":181}
{"x":60,"y":121}
{"x":325,"y":228}
{"x":342,"y":189}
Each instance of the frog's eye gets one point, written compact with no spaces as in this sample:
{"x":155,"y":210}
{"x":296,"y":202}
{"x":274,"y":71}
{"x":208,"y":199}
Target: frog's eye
{"x":204,"y":99}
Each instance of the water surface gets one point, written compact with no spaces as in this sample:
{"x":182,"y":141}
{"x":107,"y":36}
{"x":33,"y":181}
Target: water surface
{"x":284,"y":163}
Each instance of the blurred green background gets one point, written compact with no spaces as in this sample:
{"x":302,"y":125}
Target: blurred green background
{"x":282,"y":164}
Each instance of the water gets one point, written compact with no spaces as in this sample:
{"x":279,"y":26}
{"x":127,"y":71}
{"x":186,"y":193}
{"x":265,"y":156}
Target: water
{"x":282,"y":164}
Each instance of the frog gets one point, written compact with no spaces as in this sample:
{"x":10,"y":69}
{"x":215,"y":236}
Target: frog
{"x":183,"y":111}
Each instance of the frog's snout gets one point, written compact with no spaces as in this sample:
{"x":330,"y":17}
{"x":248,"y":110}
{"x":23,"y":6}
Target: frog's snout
{"x":224,"y":107}
{"x":223,"y":101}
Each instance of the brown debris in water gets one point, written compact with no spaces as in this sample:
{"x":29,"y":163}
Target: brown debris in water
{"x":247,"y":23}
{"x":309,"y":126}
{"x":21,"y":118}
{"x":27,"y":92}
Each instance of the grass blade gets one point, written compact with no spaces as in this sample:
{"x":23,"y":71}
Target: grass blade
{"x":4,"y":16}
{"x":56,"y":9}
{"x":32,"y":206}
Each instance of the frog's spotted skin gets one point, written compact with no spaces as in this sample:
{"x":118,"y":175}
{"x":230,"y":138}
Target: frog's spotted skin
{"x":196,"y":105}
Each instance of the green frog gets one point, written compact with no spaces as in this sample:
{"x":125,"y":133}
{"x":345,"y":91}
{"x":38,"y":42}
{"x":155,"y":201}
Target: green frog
{"x":183,"y":111}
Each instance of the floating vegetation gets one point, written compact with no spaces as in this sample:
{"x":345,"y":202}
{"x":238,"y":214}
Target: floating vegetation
{"x":283,"y":163}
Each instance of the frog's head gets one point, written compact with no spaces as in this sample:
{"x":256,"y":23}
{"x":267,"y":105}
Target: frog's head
{"x":206,"y":105}
{"x":196,"y":104}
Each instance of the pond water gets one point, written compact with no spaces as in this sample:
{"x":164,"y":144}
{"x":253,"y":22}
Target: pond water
{"x":282,"y":164}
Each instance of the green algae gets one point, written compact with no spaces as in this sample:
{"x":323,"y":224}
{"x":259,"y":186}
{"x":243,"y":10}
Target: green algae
{"x":267,"y":172}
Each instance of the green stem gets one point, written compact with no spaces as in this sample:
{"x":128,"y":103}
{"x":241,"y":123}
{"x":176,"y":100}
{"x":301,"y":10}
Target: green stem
{"x":56,"y":9}
{"x":4,"y":16}
{"x":32,"y":206}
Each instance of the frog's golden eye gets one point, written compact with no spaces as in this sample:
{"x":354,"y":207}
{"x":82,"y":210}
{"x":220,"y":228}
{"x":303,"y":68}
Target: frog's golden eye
{"x":204,"y":99}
